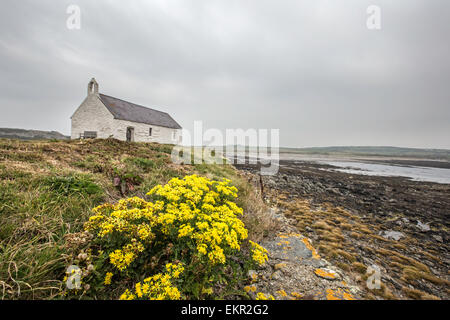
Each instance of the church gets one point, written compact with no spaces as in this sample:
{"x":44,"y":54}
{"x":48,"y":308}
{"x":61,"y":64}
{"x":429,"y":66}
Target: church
{"x":101,"y":116}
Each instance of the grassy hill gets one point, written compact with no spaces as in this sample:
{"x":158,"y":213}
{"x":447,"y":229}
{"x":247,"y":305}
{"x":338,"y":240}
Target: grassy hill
{"x":22,"y":134}
{"x":47,"y":191}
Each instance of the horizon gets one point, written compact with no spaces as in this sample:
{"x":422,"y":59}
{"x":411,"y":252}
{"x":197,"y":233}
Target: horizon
{"x":281,"y":147}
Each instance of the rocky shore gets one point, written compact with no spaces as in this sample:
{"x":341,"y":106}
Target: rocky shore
{"x":360,"y":223}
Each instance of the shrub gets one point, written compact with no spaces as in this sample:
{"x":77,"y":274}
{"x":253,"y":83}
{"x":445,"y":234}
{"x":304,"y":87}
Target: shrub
{"x":69,"y":185}
{"x":142,"y":163}
{"x":188,"y":242}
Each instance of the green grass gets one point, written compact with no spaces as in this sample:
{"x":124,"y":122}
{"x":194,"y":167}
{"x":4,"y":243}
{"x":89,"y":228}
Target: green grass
{"x":71,"y":185}
{"x":142,"y":163}
{"x":35,"y":215}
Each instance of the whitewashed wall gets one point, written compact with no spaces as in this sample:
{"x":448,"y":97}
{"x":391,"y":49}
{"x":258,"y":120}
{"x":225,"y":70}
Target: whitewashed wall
{"x":92,"y":115}
{"x":141,"y":132}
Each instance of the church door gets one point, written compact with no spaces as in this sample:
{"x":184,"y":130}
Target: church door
{"x":130,"y":134}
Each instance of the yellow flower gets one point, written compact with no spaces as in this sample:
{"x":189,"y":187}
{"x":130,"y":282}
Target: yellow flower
{"x":144,"y":232}
{"x":251,"y":288}
{"x":201,"y":248}
{"x":108,"y":278}
{"x":127,"y":295}
{"x":282,"y":293}
{"x":207,"y":291}
{"x":185,"y":230}
{"x":259,"y":253}
{"x":120,"y":259}
{"x":157,"y":287}
{"x":262,"y":296}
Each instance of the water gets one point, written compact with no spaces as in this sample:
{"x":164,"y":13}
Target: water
{"x":427,"y":174}
{"x":416,"y":173}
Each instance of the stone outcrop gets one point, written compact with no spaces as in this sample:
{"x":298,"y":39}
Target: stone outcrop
{"x":296,"y":271}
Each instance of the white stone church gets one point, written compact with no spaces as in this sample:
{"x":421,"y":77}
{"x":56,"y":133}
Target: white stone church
{"x":102,"y":116}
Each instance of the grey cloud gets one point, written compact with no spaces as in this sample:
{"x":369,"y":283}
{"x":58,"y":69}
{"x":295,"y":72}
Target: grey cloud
{"x":310,"y":68}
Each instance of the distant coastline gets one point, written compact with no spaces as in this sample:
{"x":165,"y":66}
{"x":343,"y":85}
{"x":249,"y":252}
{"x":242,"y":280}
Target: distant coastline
{"x":24,"y":134}
{"x":367,"y":151}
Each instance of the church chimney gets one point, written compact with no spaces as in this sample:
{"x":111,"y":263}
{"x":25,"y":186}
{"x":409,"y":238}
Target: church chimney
{"x":92,"y":87}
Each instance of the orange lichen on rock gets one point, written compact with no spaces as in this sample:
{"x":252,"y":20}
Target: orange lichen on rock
{"x":338,"y":294}
{"x":289,"y":235}
{"x":310,"y":247}
{"x":283,"y":243}
{"x":325,"y":274}
{"x":331,"y":295}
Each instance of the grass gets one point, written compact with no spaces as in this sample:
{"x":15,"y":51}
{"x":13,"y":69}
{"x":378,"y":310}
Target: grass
{"x":35,"y":214}
{"x":359,"y":267}
{"x":71,"y":185}
{"x":47,"y":191}
{"x":418,"y":295}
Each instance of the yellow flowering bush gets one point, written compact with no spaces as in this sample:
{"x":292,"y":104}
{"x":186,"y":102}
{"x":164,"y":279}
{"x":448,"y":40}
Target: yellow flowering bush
{"x":157,"y":287}
{"x":190,"y":229}
{"x":259,"y":254}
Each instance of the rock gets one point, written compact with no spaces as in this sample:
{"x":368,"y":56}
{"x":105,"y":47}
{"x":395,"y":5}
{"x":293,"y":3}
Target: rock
{"x":327,"y":274}
{"x":116,"y":181}
{"x":316,"y":263}
{"x":438,"y":238}
{"x":279,"y":266}
{"x":394,"y":235}
{"x":276,"y":275}
{"x":435,"y":272}
{"x":424,"y":227}
{"x":334,"y":294}
{"x":354,"y":290}
{"x":289,"y":247}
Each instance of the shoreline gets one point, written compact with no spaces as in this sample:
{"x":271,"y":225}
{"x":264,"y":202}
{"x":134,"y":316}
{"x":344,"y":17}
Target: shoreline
{"x":357,"y":221}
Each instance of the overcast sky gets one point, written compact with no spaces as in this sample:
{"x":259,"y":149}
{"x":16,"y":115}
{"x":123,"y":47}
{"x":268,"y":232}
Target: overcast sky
{"x":309,"y":68}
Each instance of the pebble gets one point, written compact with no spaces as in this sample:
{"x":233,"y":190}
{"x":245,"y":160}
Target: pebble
{"x":424,"y":227}
{"x":394,"y":235}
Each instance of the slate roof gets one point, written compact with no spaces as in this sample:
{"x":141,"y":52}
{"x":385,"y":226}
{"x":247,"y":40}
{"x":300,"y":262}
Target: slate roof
{"x":124,"y":110}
